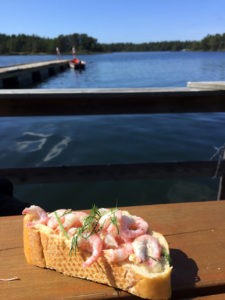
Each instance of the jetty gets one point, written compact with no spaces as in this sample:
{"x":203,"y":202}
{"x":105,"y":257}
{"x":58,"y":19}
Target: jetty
{"x":24,"y":75}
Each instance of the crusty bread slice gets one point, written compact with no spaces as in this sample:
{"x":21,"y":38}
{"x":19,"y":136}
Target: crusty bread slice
{"x":44,"y":248}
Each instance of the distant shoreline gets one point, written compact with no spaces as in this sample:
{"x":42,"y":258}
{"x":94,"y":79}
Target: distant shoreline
{"x":91,"y":53}
{"x":22,"y":44}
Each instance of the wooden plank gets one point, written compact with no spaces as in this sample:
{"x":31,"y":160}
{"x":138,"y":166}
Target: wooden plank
{"x":211,"y":85}
{"x":195,"y":232}
{"x":108,"y":101}
{"x":136,"y":171}
{"x":16,"y":69}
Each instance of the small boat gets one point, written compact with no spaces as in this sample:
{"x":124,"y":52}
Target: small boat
{"x":77,"y":64}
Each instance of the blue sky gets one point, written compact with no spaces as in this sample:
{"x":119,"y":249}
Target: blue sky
{"x":110,"y":21}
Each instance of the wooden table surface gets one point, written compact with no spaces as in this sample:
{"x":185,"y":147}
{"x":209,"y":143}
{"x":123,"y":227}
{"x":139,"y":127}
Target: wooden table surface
{"x":196,"y":236}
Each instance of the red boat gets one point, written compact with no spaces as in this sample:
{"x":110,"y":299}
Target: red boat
{"x":77,"y":64}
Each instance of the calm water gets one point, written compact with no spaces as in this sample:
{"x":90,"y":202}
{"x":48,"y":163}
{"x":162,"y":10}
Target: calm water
{"x":51,"y":141}
{"x":144,"y":69}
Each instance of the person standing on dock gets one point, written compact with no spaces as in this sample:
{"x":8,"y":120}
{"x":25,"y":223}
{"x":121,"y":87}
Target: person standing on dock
{"x":74,"y":52}
{"x":58,"y":52}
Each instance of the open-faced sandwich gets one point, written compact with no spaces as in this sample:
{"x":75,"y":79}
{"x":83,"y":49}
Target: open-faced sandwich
{"x":108,"y":246}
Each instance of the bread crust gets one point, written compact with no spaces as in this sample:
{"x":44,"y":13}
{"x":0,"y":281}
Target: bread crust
{"x":33,"y":248}
{"x":44,"y":248}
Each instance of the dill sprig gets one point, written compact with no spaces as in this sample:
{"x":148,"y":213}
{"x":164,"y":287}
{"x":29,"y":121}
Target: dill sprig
{"x":155,"y":259}
{"x":114,"y":219}
{"x":67,"y":211}
{"x":166,"y":256}
{"x":91,"y":222}
{"x":61,"y":225}
{"x":90,"y":226}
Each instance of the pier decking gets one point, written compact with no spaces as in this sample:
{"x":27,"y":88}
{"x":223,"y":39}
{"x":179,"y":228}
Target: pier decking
{"x":210,"y":85}
{"x":21,"y":76}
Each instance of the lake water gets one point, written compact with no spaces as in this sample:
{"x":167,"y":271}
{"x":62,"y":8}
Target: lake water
{"x":53,"y":141}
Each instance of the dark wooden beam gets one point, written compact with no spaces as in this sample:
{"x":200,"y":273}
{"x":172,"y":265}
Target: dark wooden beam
{"x":158,"y":170}
{"x":109,"y":101}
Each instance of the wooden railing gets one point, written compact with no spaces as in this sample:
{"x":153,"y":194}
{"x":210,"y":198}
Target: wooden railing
{"x":114,"y":101}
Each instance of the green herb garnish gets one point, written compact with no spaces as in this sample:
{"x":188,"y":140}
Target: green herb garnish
{"x":166,"y":256}
{"x":90,"y":227}
{"x":114,"y":219}
{"x":67,"y":211}
{"x":155,"y":259}
{"x":61,"y":225}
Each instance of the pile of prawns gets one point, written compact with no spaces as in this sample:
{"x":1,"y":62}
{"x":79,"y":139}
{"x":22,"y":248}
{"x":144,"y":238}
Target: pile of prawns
{"x":114,"y":233}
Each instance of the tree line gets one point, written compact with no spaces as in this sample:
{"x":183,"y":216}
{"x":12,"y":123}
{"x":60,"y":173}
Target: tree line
{"x":34,"y":44}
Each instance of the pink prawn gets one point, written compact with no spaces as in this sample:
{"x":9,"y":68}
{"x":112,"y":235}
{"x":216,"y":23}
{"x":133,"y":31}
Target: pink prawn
{"x":52,"y":221}
{"x":126,"y":227}
{"x":40,"y":214}
{"x":92,"y":244}
{"x":131,"y":227}
{"x":74,"y":219}
{"x":147,"y":248}
{"x":119,"y":254}
{"x":68,"y":219}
